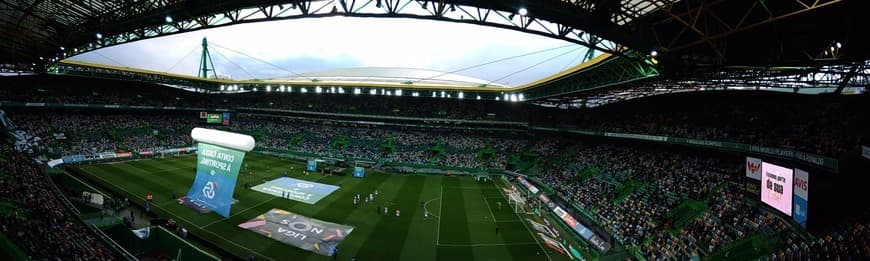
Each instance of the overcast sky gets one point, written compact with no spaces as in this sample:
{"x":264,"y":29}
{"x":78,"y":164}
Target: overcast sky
{"x":282,"y":48}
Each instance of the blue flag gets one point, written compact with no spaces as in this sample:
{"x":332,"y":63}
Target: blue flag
{"x":217,"y":170}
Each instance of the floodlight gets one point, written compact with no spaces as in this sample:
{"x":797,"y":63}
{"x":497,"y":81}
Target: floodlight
{"x":357,"y":91}
{"x":304,"y":90}
{"x":521,"y":97}
{"x":839,"y":45}
{"x":654,"y":53}
{"x":398,"y":92}
{"x":168,"y":19}
{"x":268,"y":88}
{"x":461,"y":95}
{"x":61,"y":48}
{"x":478,"y":97}
{"x":99,"y":36}
{"x":523,"y":11}
{"x":318,"y":89}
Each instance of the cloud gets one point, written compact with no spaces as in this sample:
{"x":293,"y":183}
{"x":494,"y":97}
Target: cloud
{"x":268,"y":49}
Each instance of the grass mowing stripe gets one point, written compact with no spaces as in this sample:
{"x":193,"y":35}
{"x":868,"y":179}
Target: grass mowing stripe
{"x":391,"y":231}
{"x":454,"y":221}
{"x":421,"y":238}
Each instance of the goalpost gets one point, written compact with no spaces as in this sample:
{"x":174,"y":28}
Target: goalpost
{"x":518,"y":202}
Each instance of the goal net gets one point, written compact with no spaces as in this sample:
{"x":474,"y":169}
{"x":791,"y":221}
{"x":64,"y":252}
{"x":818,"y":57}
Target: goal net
{"x":517,"y":201}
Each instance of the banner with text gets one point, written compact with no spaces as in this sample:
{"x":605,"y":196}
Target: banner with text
{"x":296,"y":189}
{"x":217,"y":170}
{"x":310,"y":234}
{"x":801,"y":196}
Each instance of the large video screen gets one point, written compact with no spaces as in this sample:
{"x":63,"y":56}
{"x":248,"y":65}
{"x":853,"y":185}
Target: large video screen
{"x":776,"y":187}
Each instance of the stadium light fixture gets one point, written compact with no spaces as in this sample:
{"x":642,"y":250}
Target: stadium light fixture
{"x":99,"y":36}
{"x":654,"y":53}
{"x":478,"y":97}
{"x":506,"y":97}
{"x":461,"y":95}
{"x":41,"y":58}
{"x":434,"y":95}
{"x":523,"y":11}
{"x":223,"y":88}
{"x":839,"y":45}
{"x":357,"y":91}
{"x":398,"y":92}
{"x":443,"y":94}
{"x":318,"y":89}
{"x":373,"y":92}
{"x":513,"y":97}
{"x":168,"y":19}
{"x":268,"y":88}
{"x":255,"y":89}
{"x":61,"y":48}
{"x":522,"y":97}
{"x":497,"y":98}
{"x":304,"y":90}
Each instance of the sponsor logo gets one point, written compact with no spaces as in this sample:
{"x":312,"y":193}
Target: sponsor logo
{"x":753,"y":168}
{"x":209,"y":189}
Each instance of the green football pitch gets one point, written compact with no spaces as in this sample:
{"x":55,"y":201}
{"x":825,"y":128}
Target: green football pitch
{"x":462,"y":224}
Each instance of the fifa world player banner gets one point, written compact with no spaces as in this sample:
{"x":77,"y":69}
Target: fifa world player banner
{"x":219,"y":158}
{"x":310,"y":234}
{"x":217,"y":169}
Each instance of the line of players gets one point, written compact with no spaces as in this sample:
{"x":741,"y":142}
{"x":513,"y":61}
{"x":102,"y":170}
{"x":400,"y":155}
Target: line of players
{"x":386,"y":209}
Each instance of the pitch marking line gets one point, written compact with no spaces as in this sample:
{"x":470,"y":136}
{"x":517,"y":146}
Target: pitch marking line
{"x":427,"y":209}
{"x":238,"y":213}
{"x":535,"y":236}
{"x":440,"y":212}
{"x":490,"y":211}
{"x":493,"y":244}
{"x":185,"y":220}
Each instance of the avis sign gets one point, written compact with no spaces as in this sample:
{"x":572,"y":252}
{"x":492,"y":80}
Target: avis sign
{"x":801,"y":196}
{"x":217,"y":170}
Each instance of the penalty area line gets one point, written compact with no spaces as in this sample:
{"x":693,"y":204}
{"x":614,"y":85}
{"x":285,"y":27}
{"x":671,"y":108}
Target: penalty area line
{"x":427,"y":208}
{"x":238,"y":213}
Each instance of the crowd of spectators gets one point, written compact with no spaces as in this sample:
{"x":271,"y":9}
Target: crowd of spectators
{"x":831,"y":126}
{"x":66,"y":134}
{"x":595,"y":176}
{"x":37,"y":220}
{"x":826,"y":126}
{"x":629,"y":189}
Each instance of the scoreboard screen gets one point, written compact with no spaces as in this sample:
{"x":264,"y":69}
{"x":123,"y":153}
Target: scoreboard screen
{"x":776,"y":187}
{"x":215,"y":118}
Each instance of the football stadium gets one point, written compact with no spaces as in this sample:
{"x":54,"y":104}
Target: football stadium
{"x":434,"y":130}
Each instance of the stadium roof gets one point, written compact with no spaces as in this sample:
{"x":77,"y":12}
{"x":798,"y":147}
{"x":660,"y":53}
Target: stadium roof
{"x":389,"y":75}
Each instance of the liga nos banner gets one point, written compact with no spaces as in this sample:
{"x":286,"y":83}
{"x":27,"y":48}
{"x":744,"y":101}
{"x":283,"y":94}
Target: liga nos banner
{"x":219,"y":158}
{"x":310,"y":234}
